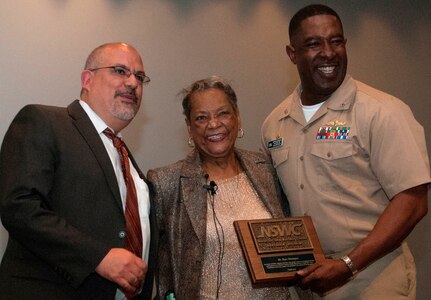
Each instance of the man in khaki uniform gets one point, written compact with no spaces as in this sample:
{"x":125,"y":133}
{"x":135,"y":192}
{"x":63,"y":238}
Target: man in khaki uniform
{"x":355,"y":160}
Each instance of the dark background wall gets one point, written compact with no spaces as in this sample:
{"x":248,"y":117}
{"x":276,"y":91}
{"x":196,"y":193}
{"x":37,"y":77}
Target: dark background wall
{"x":44,"y":44}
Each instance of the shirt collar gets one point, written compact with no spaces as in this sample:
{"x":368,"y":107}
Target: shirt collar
{"x":98,"y":123}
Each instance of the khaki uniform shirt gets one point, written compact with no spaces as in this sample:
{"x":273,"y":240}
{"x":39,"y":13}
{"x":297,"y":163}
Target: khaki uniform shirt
{"x":360,"y":149}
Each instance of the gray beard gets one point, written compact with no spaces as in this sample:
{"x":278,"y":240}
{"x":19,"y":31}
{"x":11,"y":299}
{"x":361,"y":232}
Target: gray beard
{"x":123,"y":113}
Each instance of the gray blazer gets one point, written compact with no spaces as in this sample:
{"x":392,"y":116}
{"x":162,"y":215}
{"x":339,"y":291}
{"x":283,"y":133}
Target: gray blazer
{"x":181,"y":207}
{"x":61,"y":204}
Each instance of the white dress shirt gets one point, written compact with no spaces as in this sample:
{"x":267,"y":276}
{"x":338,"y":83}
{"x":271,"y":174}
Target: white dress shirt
{"x":140,"y":185}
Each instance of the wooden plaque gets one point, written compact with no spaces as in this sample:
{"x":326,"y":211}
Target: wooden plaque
{"x":275,"y":249}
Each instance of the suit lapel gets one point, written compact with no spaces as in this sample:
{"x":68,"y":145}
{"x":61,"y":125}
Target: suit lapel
{"x":261,"y":180}
{"x":83,"y":124}
{"x":194,"y":195}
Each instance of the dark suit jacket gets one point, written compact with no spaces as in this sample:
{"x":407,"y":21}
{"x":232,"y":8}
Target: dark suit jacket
{"x":181,"y":208}
{"x":61,"y":205}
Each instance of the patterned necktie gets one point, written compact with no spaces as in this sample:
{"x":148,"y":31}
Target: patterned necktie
{"x":133,"y":241}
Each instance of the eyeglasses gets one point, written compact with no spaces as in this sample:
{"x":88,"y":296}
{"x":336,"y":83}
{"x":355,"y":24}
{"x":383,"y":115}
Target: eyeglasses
{"x":126,"y":73}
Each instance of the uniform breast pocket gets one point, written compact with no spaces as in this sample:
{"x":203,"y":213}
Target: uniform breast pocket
{"x":279,"y":157}
{"x":334,"y":162}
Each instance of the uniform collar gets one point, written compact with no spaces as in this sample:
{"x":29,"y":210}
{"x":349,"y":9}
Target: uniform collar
{"x":341,"y":99}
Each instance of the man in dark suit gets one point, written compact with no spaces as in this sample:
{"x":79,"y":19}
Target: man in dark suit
{"x":63,"y":194}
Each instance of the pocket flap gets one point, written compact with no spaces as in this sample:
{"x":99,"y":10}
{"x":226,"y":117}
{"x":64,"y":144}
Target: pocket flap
{"x":332,"y":150}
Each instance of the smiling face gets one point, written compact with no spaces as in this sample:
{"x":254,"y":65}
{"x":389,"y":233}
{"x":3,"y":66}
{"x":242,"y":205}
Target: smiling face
{"x":114,"y":97}
{"x":213,"y":124}
{"x":318,"y":48}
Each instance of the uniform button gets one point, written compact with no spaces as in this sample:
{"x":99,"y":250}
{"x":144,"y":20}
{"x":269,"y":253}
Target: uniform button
{"x":301,"y":186}
{"x":122,"y":234}
{"x":301,"y":157}
{"x":328,"y":154}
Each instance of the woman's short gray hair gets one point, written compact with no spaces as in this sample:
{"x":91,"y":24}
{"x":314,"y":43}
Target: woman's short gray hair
{"x":212,"y":82}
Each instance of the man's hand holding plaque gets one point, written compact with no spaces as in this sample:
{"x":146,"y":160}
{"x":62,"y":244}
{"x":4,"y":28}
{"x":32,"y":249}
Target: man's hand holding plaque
{"x":275,"y":249}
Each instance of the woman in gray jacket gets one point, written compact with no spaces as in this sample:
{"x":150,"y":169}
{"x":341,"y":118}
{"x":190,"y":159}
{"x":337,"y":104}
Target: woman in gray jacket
{"x":198,"y":198}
